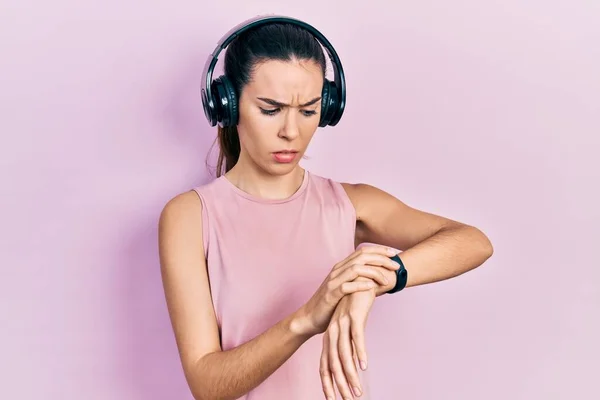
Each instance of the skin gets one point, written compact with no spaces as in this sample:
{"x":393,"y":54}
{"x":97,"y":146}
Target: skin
{"x":434,"y":248}
{"x":289,"y":127}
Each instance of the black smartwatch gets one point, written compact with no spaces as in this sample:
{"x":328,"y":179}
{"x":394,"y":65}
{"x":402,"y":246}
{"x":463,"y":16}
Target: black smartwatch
{"x":401,"y":276}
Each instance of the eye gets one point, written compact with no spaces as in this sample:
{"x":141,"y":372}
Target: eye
{"x":306,"y":113}
{"x":269,"y":112}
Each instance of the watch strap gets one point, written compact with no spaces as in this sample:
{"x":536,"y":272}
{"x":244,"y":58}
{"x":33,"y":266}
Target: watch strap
{"x":401,"y":276}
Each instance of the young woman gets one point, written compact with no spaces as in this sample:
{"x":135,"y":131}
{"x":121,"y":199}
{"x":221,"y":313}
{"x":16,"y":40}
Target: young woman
{"x":267,"y":294}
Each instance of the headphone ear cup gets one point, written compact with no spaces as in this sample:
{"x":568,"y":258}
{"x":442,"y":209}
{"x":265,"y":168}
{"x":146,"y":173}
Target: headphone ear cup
{"x":225,"y":102}
{"x":329,"y":102}
{"x":209,"y":106}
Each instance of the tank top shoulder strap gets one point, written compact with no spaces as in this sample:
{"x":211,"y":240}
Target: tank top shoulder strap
{"x":332,"y":194}
{"x":207,"y":193}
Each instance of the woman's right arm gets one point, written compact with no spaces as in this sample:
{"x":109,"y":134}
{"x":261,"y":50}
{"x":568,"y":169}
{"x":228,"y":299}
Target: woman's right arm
{"x":210,"y":372}
{"x":215,"y":374}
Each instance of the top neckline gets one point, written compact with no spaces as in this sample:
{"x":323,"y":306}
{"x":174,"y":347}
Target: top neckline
{"x":258,"y":199}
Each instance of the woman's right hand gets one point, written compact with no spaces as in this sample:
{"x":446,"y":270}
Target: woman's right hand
{"x":341,"y":281}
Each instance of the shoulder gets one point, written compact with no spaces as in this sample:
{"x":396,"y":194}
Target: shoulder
{"x":183,"y":212}
{"x":365,"y":199}
{"x":360,"y":195}
{"x":364,"y":196}
{"x":181,"y":228}
{"x":185,"y":218}
{"x":331,"y":190}
{"x":189,"y":204}
{"x":188,"y":211}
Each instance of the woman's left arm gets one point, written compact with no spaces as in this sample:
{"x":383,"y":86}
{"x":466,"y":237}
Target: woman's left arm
{"x":434,"y":248}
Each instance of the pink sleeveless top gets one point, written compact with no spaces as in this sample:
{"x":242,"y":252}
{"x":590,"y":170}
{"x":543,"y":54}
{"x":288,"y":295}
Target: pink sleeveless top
{"x":265,"y":259}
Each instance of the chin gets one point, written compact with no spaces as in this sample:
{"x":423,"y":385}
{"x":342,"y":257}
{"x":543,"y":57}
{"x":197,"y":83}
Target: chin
{"x":275,"y":168}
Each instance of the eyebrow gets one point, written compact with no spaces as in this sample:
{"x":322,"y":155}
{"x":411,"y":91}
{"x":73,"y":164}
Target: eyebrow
{"x":280,"y":104}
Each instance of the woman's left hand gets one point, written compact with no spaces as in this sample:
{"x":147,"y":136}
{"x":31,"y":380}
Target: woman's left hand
{"x":345,"y":332}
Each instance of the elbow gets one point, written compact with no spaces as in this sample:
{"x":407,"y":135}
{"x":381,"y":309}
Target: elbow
{"x":202,"y":385}
{"x":197,"y":391}
{"x":197,"y":383}
{"x":486,"y":248}
{"x":198,"y":394}
{"x":204,"y":395}
{"x":490,"y":251}
{"x":201,"y":393}
{"x":477,"y":243}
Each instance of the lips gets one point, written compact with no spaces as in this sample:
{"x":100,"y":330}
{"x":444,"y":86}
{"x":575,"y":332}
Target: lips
{"x":285,"y":156}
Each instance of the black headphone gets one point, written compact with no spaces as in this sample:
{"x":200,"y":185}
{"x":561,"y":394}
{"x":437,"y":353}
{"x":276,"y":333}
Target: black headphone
{"x":220,"y":100}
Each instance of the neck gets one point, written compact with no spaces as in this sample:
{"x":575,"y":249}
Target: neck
{"x":250,"y":178}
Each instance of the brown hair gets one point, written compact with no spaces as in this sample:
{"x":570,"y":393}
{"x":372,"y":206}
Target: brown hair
{"x":278,"y":41}
{"x":229,"y":145}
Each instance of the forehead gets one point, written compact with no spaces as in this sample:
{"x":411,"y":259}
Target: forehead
{"x":283,"y":79}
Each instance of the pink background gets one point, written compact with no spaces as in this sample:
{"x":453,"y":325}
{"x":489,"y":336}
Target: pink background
{"x":486,"y":112}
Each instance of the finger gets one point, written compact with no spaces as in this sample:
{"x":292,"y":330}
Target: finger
{"x":353,"y":271}
{"x":335,"y":365}
{"x":374,"y":260}
{"x":365,"y":271}
{"x":354,"y":355}
{"x":353,"y":287}
{"x":326,"y":377}
{"x":371,"y":249}
{"x":379,"y":249}
{"x":368,"y":252}
{"x":358,"y":339}
{"x":377,"y":260}
{"x":347,"y":360}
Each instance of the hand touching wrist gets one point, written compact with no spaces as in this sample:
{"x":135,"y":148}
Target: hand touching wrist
{"x":380,"y":289}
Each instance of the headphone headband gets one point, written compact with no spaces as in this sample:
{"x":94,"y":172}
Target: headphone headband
{"x":207,"y":73}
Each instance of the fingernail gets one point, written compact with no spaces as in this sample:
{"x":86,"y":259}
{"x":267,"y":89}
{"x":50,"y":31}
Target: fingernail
{"x":356,"y":391}
{"x":363,"y":365}
{"x":391,"y":251}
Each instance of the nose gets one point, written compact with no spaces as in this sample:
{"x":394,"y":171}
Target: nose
{"x":290,"y":129}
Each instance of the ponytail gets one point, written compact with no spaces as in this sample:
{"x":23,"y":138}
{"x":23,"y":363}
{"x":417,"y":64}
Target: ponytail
{"x":229,"y":149}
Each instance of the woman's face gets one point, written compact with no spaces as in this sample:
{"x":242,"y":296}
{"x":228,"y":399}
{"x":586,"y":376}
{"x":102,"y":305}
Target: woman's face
{"x":279,"y":114}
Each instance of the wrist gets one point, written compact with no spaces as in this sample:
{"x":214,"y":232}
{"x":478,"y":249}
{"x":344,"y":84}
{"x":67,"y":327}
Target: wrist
{"x":300,"y":325}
